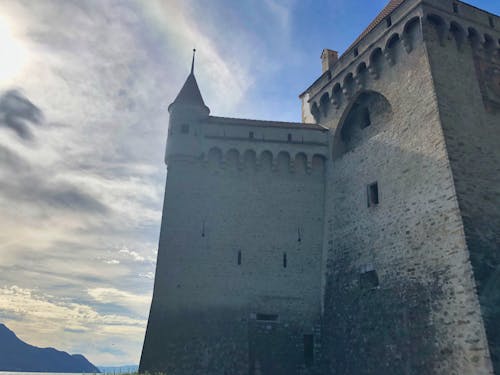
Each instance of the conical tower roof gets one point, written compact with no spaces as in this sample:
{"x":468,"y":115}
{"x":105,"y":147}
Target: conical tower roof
{"x":190,"y":92}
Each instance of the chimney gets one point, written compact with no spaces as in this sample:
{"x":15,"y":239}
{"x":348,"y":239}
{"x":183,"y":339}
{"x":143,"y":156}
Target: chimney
{"x":328,"y":59}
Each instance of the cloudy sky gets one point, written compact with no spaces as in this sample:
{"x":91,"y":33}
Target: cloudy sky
{"x":84,"y":90}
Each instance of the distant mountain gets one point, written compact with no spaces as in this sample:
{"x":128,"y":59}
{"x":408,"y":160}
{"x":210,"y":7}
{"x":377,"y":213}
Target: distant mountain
{"x":16,"y":355}
{"x":125,"y":369}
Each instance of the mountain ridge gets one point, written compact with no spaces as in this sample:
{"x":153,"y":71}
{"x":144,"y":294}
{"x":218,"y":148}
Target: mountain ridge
{"x":17,"y":355}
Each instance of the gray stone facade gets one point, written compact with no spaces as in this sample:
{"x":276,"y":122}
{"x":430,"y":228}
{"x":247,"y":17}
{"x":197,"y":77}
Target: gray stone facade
{"x":365,"y":243}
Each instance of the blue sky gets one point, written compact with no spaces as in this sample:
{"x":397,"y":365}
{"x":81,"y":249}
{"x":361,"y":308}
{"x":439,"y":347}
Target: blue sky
{"x":84,"y":90}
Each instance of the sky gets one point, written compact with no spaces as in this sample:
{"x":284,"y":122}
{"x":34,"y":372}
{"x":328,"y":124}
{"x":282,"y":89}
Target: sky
{"x":84,"y":91}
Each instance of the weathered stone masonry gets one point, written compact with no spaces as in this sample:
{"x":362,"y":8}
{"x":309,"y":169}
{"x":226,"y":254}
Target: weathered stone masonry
{"x":366,"y":243}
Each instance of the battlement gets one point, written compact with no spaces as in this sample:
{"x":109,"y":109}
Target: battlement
{"x":253,"y":143}
{"x":401,"y":26}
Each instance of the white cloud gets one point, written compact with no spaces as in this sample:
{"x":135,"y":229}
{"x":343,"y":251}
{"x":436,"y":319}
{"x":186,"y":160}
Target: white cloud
{"x":44,"y":320}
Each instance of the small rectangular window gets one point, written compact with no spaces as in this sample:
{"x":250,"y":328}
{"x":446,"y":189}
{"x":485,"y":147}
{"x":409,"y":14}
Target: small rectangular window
{"x":285,"y":263}
{"x":289,"y":137}
{"x":250,"y":135}
{"x":266,"y":317}
{"x":388,"y":20}
{"x":492,"y":23}
{"x":373,"y":198}
{"x":455,"y":8}
{"x":368,"y":280}
{"x":308,"y":350}
{"x":239,"y":258}
{"x":184,"y":128}
{"x":356,"y":52}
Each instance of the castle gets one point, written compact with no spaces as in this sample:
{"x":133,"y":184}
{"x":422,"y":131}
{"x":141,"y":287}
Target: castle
{"x":363,"y":241}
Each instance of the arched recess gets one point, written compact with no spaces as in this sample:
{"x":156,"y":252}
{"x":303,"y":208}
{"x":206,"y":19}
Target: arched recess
{"x":300,"y":163}
{"x":474,"y":38}
{"x":315,"y":112}
{"x":376,"y":62}
{"x":266,"y":160}
{"x":391,"y":50}
{"x":411,"y":33}
{"x":458,"y":34}
{"x":365,"y":116}
{"x":361,"y":75}
{"x":337,"y":95}
{"x":283,"y":162}
{"x":489,"y":43}
{"x":349,"y":86}
{"x":438,"y":27}
{"x":250,"y":159}
{"x":232,"y":158}
{"x":214,"y":157}
{"x":318,"y":164}
{"x":324,"y":104}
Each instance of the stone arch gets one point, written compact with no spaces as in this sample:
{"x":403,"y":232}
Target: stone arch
{"x":300,"y":163}
{"x":250,"y":159}
{"x":474,"y":37}
{"x":283,"y":162}
{"x":365,"y":116}
{"x":438,"y":28}
{"x":489,"y":42}
{"x":315,"y":111}
{"x":361,"y":73}
{"x":266,"y":160}
{"x":390,"y":51}
{"x":376,"y":62}
{"x":411,"y":33}
{"x":232,"y":158}
{"x":349,"y":86}
{"x":318,"y":164}
{"x":324,"y":103}
{"x":458,"y":33}
{"x":337,"y":95}
{"x":214,"y":157}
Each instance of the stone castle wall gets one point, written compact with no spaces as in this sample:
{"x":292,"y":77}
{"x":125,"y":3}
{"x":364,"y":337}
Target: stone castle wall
{"x":239,"y":263}
{"x":469,"y":107}
{"x":354,"y":247}
{"x":419,"y":312}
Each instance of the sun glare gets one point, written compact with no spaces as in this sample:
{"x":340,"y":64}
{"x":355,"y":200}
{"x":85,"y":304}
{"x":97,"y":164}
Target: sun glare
{"x":13,"y":55}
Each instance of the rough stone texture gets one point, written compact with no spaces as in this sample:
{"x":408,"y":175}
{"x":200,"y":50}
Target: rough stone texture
{"x":470,"y":117}
{"x":384,"y":288}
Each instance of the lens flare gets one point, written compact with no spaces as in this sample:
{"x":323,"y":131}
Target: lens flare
{"x":13,"y":55}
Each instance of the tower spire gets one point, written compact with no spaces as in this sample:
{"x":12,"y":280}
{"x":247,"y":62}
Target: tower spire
{"x":192,"y":63}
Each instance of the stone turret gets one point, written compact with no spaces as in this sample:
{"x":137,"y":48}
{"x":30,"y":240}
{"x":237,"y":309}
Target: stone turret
{"x":187,"y":111}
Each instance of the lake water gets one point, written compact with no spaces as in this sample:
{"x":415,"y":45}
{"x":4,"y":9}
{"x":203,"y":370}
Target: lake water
{"x":38,"y":373}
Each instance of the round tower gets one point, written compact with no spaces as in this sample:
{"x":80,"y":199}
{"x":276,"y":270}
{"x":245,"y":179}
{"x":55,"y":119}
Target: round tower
{"x":186,"y":112}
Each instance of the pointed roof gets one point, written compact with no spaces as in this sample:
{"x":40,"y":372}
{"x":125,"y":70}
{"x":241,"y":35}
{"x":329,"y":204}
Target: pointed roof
{"x":389,"y":8}
{"x":190,"y":93}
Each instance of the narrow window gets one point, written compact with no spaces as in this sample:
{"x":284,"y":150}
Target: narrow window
{"x":239,"y":258}
{"x":184,"y":128}
{"x":492,"y":23}
{"x":373,"y":194}
{"x":388,"y":20}
{"x":284,"y":260}
{"x":455,"y":8}
{"x":368,"y":280}
{"x":365,"y":121}
{"x":356,"y":52}
{"x":308,"y":350}
{"x":250,"y":135}
{"x":266,"y":317}
{"x":289,"y":137}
